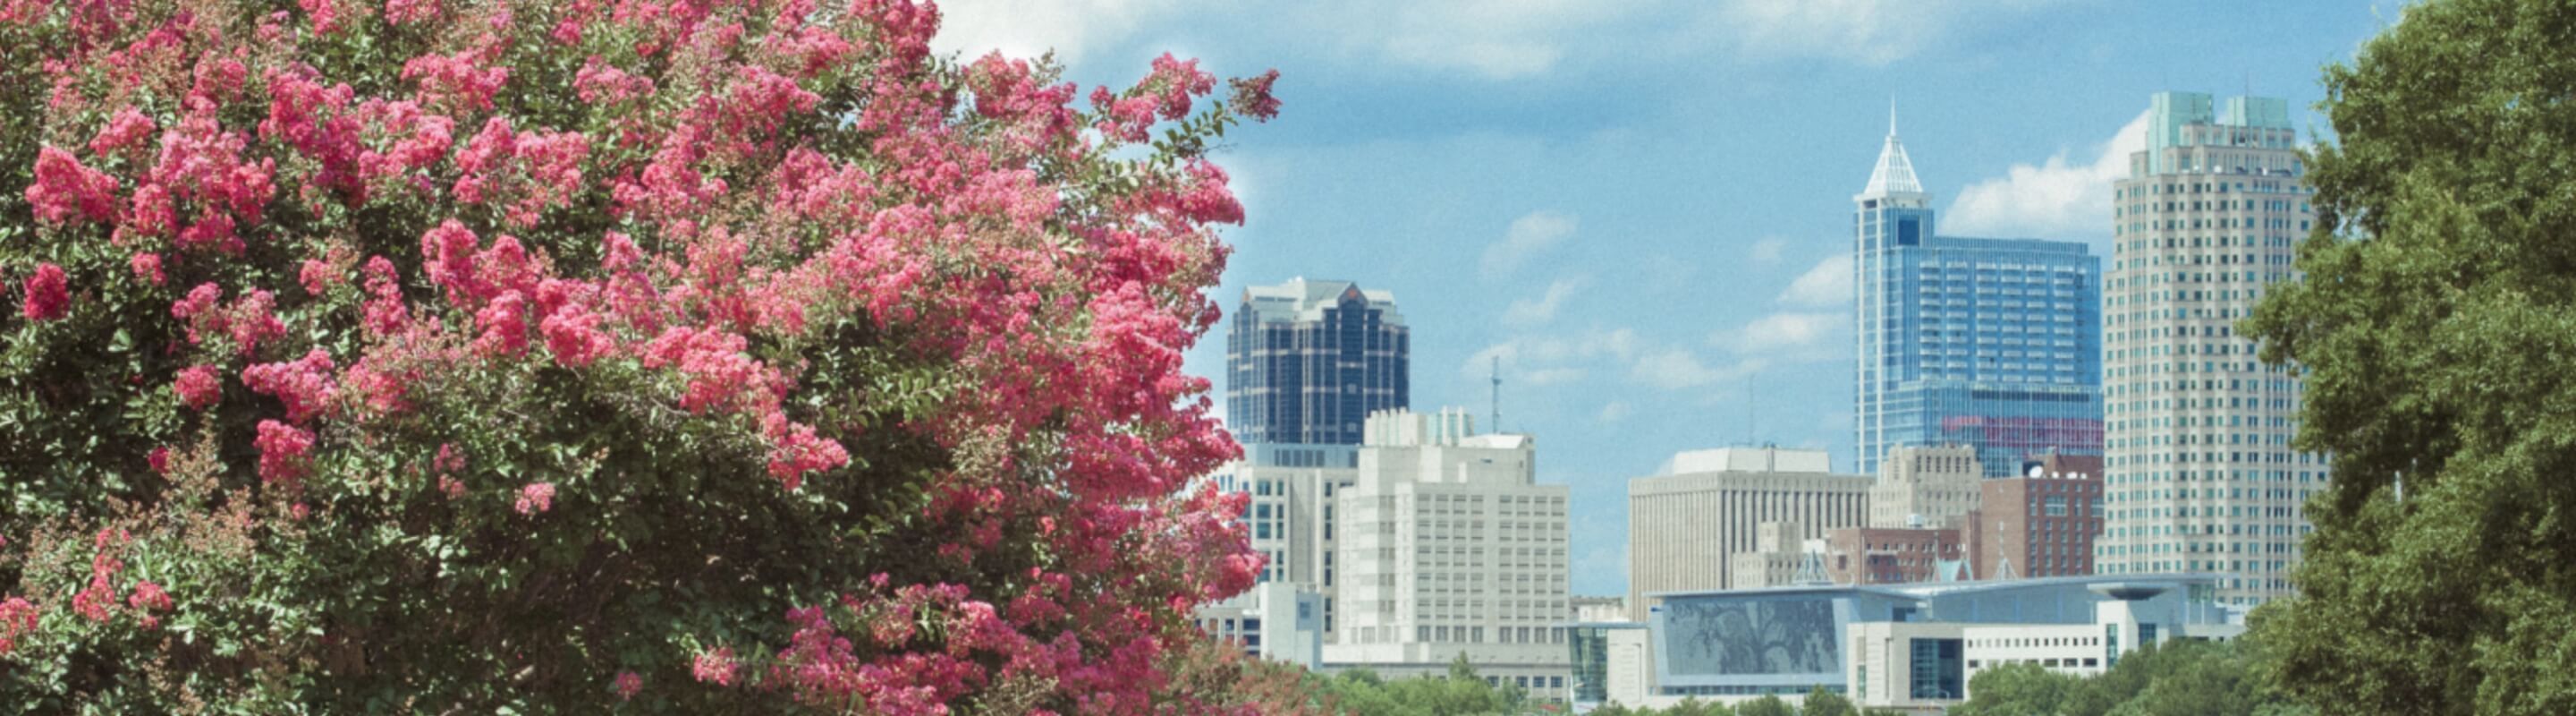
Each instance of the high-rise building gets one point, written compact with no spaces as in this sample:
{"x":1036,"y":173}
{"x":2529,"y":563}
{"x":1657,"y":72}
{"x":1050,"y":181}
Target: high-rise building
{"x":1925,"y":486}
{"x":1449,"y":547}
{"x":1991,"y":343}
{"x":1308,"y":361}
{"x":2201,"y":475}
{"x":1687,"y":522}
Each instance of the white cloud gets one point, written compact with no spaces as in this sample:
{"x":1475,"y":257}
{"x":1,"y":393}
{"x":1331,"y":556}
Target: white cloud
{"x":2064,"y":196}
{"x":1072,"y":28}
{"x":1616,"y":411}
{"x":1529,"y":235}
{"x":1868,"y":32}
{"x":1539,"y":310}
{"x":1783,"y":331}
{"x":1767,"y":251}
{"x":1828,"y":284}
{"x":1673,"y":368}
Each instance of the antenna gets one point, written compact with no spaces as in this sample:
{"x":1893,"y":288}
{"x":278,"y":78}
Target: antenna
{"x":1891,"y":114}
{"x":1498,"y":395}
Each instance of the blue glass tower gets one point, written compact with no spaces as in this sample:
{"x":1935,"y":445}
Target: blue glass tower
{"x":1992,"y":343}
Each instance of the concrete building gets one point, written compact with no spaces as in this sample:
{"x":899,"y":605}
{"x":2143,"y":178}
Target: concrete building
{"x":1925,"y":486}
{"x":1909,"y":647}
{"x":2201,"y":475}
{"x":1702,"y":507}
{"x":1865,"y":555}
{"x":1600,"y":609}
{"x":1278,"y":621}
{"x":1990,"y":343}
{"x":2041,"y":525}
{"x":1291,"y":517}
{"x":1448,"y":547}
{"x":1308,"y":361}
{"x":1781,"y":556}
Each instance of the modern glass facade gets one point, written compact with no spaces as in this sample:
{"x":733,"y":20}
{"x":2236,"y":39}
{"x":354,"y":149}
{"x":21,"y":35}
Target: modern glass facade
{"x":2200,"y":474}
{"x":1991,"y":343}
{"x":1308,"y":361}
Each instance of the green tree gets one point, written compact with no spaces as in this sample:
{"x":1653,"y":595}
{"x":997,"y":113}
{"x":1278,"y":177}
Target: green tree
{"x":2437,"y":328}
{"x":1765,"y":706}
{"x":1826,"y":703}
{"x":2016,"y":690}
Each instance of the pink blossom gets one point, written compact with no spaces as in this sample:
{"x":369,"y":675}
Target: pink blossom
{"x":628,"y":685}
{"x":159,"y":459}
{"x":504,"y":326}
{"x":1252,"y":96}
{"x":46,"y":295}
{"x":305,"y":385}
{"x":715,"y":667}
{"x":17,"y":620}
{"x":283,"y":450}
{"x":147,"y":266}
{"x":199,"y":387}
{"x":127,"y":129}
{"x":149,"y":598}
{"x":65,"y":190}
{"x":536,"y":497}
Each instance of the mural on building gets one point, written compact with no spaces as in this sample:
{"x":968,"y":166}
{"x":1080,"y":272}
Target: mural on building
{"x":1751,"y":637}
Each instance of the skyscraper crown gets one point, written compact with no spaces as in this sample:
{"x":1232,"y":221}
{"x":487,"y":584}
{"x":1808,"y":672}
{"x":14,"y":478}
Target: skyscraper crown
{"x":1894,"y":177}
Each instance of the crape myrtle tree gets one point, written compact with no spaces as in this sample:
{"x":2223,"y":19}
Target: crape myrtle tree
{"x":669,"y":356}
{"x":2436,"y":325}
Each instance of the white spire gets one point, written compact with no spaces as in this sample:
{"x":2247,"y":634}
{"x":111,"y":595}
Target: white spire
{"x":1894,"y":177}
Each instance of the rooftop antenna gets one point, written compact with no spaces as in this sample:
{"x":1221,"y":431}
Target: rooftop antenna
{"x":1891,"y":114}
{"x":1498,"y":394}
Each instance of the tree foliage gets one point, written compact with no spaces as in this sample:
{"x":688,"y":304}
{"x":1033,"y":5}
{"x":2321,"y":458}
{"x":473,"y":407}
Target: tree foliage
{"x":2437,"y":327}
{"x":1460,"y":692}
{"x":681,"y":356}
{"x":2175,"y":677}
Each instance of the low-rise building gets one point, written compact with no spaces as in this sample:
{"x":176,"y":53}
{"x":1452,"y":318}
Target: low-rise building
{"x":1909,"y":647}
{"x":1279,"y":621}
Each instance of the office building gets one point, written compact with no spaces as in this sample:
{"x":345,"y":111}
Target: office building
{"x":1990,"y":343}
{"x":1701,"y":508}
{"x":1279,"y":621}
{"x":2200,"y":472}
{"x":1308,"y":361}
{"x":2043,"y":524}
{"x":1868,"y":555}
{"x":1911,"y":647}
{"x":1291,"y":515}
{"x":1449,"y":546}
{"x":1925,"y":486}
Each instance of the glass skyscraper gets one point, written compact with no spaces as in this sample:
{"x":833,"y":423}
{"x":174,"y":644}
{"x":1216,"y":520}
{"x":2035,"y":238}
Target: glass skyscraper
{"x":1308,"y":361}
{"x":1989,"y":343}
{"x":2200,"y":473}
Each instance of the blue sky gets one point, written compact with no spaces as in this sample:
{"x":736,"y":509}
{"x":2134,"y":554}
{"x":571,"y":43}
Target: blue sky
{"x":1643,"y":207}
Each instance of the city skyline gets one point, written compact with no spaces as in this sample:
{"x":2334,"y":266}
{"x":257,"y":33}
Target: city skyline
{"x":1640,"y":243}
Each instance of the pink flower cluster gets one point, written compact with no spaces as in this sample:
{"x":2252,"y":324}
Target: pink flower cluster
{"x":246,"y":321}
{"x":305,"y":385}
{"x":536,"y":497}
{"x":17,"y":620}
{"x":199,"y":387}
{"x":47,"y":295}
{"x":283,"y":452}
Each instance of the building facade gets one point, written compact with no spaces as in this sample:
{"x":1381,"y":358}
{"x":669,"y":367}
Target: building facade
{"x":1449,"y":546}
{"x":1863,"y":555}
{"x":1913,"y":648}
{"x":1991,"y":343}
{"x":1308,"y":361}
{"x":1688,"y":521}
{"x":1923,"y":486}
{"x":2201,"y":475}
{"x":1291,"y":516}
{"x":2043,"y":524}
{"x":1279,"y":621}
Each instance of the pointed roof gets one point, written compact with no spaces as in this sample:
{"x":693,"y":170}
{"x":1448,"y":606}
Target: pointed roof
{"x":1894,"y":177}
{"x":1895,"y":172}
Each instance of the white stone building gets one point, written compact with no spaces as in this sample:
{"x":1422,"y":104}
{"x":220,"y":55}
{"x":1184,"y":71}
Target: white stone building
{"x":1448,"y":546}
